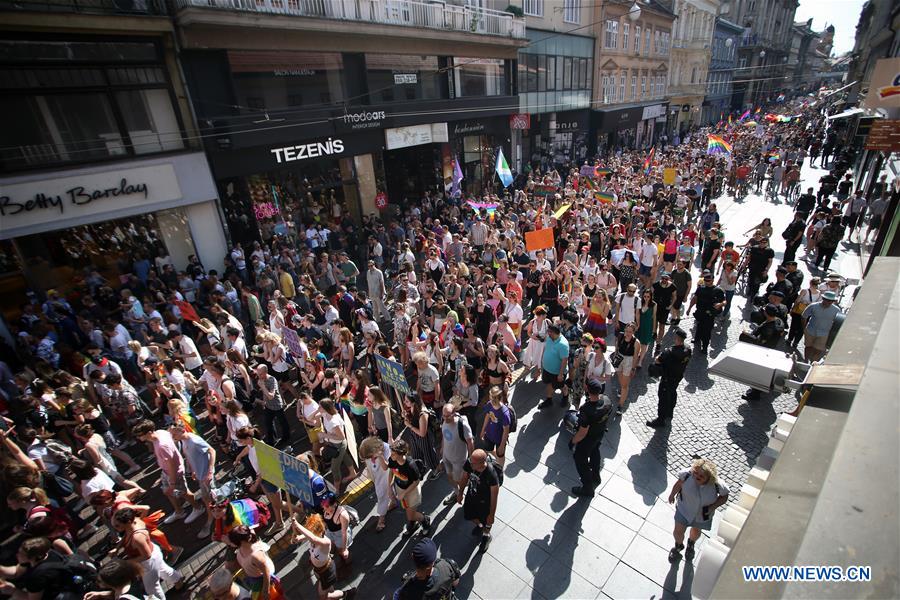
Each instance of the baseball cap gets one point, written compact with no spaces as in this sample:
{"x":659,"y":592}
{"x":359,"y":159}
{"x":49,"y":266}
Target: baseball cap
{"x":594,"y":387}
{"x":424,"y":553}
{"x":771,"y":309}
{"x":777,"y":293}
{"x":665,"y":275}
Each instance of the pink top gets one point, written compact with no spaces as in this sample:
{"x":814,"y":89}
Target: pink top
{"x":165,"y":450}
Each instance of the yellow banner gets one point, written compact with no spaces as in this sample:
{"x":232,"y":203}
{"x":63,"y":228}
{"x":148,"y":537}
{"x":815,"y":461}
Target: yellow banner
{"x":561,"y":210}
{"x":669,"y":176}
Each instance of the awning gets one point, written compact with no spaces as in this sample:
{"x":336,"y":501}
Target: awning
{"x":840,"y":89}
{"x":845,"y":114}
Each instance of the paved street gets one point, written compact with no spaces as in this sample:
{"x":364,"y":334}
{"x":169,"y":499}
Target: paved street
{"x":546,"y":543}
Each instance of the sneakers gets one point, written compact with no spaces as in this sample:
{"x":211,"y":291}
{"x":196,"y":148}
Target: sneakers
{"x":689,"y":551}
{"x":477,"y":530}
{"x":485,"y":543}
{"x":204,"y":532}
{"x":175,"y":516}
{"x":546,"y":402}
{"x":583,"y":491}
{"x":410,"y":528}
{"x":196,"y":513}
{"x":675,"y":553}
{"x":426,"y":525}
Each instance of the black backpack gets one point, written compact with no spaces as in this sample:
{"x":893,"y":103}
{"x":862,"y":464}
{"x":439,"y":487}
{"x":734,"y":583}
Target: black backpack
{"x":498,"y":468}
{"x":513,"y":419}
{"x":75,"y":576}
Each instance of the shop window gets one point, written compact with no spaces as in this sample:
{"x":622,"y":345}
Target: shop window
{"x":394,"y":77}
{"x":59,"y":128}
{"x":542,"y":73}
{"x":150,"y":120}
{"x":531,"y":73}
{"x":479,"y":77}
{"x":567,"y":72}
{"x":129,"y":110}
{"x":256,"y":103}
{"x":551,"y":73}
{"x":313,"y":78}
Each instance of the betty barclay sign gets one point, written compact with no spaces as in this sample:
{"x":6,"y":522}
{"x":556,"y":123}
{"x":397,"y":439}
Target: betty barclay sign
{"x":31,"y":204}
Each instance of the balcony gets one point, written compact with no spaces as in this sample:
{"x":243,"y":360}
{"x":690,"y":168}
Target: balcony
{"x":95,"y":7}
{"x":403,"y":13}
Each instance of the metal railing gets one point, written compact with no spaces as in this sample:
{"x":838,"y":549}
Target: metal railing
{"x":408,"y":13}
{"x":104,"y":7}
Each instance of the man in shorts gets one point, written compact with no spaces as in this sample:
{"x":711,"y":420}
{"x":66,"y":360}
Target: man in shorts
{"x":478,"y":491}
{"x":459,"y":444}
{"x":200,"y":458}
{"x":819,"y":317}
{"x":554,"y":363}
{"x":171,"y":466}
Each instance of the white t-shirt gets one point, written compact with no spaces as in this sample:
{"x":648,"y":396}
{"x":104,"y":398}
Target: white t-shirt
{"x":100,"y":481}
{"x":188,"y":348}
{"x":648,"y":254}
{"x":628,"y":305}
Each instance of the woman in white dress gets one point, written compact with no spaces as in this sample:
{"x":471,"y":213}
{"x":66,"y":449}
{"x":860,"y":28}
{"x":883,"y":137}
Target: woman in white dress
{"x":369,"y":450}
{"x":537,"y":335}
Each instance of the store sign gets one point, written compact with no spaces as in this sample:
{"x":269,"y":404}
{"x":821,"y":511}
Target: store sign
{"x":520,"y":121}
{"x":311,"y":150}
{"x":884,"y":136}
{"x":566,"y":125}
{"x":654,"y":111}
{"x":884,"y":85}
{"x":468,"y":128}
{"x":415,"y":135}
{"x":361,"y":120}
{"x":36,"y":202}
{"x":293,"y":72}
{"x":406,"y":78}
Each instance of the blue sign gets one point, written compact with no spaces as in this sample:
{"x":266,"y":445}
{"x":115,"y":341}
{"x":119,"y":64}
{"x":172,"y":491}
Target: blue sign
{"x":392,"y":374}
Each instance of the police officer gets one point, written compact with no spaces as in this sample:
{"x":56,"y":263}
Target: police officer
{"x":671,"y":365}
{"x":710,"y":300}
{"x":433,"y":578}
{"x":592,"y":418}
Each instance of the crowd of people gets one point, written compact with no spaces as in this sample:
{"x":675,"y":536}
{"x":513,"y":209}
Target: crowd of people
{"x":282,"y":347}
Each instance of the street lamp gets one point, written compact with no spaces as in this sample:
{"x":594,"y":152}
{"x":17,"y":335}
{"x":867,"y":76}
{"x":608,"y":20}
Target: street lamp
{"x":634,"y":13}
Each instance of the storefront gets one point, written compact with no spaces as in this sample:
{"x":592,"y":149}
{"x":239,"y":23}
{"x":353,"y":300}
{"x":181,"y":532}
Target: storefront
{"x":475,"y":143}
{"x":557,"y":139}
{"x":633,"y":127}
{"x":55,"y":228}
{"x":685,"y":113}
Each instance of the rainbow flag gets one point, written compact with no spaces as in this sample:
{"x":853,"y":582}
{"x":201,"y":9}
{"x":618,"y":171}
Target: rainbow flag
{"x":716,"y":145}
{"x":480,"y":205}
{"x":605,"y":197}
{"x":648,"y":161}
{"x":490,"y":212}
{"x":745,"y":115}
{"x":601,"y":172}
{"x":774,"y":158}
{"x":590,"y":184}
{"x":729,"y":120}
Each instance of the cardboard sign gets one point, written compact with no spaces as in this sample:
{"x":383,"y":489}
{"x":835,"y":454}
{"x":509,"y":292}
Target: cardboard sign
{"x":539,"y":240}
{"x":669,"y":175}
{"x":292,"y":341}
{"x":392,"y":374}
{"x":187,"y":311}
{"x":284,"y":471}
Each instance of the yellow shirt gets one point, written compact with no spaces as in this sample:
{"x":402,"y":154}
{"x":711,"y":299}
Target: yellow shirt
{"x":287,"y":285}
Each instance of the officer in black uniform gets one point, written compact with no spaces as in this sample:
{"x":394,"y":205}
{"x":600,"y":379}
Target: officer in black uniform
{"x":710,"y":300}
{"x":670,"y":365}
{"x":433,"y":578}
{"x":592,"y":418}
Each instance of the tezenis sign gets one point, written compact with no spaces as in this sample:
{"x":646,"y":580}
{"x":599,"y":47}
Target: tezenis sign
{"x":75,"y":196}
{"x":311,"y":150}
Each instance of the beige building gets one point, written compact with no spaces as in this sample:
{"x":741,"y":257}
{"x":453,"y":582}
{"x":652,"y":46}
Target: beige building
{"x":689,"y":68}
{"x":630,"y":78}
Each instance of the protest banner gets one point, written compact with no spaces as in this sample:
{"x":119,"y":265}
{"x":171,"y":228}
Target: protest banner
{"x":392,"y":374}
{"x":539,"y":240}
{"x":292,"y":340}
{"x":669,"y":176}
{"x":284,"y":471}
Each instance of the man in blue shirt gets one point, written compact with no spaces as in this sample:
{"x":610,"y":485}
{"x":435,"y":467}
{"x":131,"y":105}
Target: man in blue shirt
{"x":201,"y":461}
{"x":819,"y":318}
{"x":554,"y":364}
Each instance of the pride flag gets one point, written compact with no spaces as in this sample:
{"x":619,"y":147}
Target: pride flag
{"x":745,"y":115}
{"x":648,"y":161}
{"x":589,"y":184}
{"x":605,"y":197}
{"x":502,"y":169}
{"x":716,"y":145}
{"x":601,"y":172}
{"x":729,"y":120}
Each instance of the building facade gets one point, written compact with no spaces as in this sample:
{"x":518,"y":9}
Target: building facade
{"x":763,"y":69}
{"x":555,"y":81}
{"x":722,"y":61}
{"x":631,"y":74}
{"x":803,"y":56}
{"x":324,"y":106}
{"x":101,"y":160}
{"x":689,"y":69}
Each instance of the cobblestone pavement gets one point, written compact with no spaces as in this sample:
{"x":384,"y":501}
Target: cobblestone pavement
{"x":711,"y":419}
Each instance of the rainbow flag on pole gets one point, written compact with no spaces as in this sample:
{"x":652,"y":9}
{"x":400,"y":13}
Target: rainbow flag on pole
{"x":745,"y":115}
{"x":716,"y":145}
{"x":648,"y":161}
{"x":605,"y":197}
{"x":601,"y":172}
